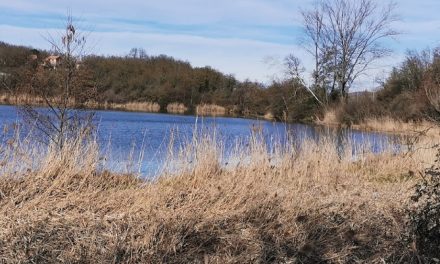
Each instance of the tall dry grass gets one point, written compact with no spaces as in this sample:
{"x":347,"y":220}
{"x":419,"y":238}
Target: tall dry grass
{"x":384,"y":124}
{"x":210,"y":110}
{"x":25,"y":99}
{"x":176,"y":108}
{"x":387,"y":124}
{"x":151,"y":107}
{"x":312,"y":204}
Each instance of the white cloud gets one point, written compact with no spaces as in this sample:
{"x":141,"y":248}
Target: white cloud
{"x":233,"y":36}
{"x":171,"y":11}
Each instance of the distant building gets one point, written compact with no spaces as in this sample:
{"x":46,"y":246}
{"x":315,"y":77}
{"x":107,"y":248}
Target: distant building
{"x":52,"y":61}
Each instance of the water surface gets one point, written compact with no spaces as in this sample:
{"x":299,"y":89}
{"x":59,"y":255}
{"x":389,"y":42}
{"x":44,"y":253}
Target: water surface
{"x":144,"y":137}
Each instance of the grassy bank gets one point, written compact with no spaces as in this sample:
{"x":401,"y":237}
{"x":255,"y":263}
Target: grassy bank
{"x":382,"y":124}
{"x":308,"y":205}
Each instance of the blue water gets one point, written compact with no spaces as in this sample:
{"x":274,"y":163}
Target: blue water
{"x":145,"y":137}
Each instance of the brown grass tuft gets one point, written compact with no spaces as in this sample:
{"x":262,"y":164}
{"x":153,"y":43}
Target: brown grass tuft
{"x":151,"y":107}
{"x":269,"y":116}
{"x":210,"y":110}
{"x":176,"y":108}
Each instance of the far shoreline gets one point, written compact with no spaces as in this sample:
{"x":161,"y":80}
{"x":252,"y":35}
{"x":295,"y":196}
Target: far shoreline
{"x":392,"y":127}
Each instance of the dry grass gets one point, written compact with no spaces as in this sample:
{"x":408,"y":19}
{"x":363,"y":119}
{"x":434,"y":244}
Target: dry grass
{"x":24,"y":99}
{"x":269,"y":116}
{"x":390,"y":125}
{"x":176,"y":108}
{"x":329,"y":118}
{"x":385,"y":124}
{"x":151,"y":107}
{"x":313,"y":205}
{"x":210,"y":110}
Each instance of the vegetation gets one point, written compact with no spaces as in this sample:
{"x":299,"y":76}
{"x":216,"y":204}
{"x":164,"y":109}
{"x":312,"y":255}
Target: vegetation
{"x":425,"y":212}
{"x":323,"y":201}
{"x":343,"y":37}
{"x":62,"y":84}
{"x":294,"y":206}
{"x":163,"y":81}
{"x":409,"y":94}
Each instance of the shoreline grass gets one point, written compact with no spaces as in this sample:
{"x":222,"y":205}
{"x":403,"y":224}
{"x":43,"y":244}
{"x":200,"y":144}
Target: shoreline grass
{"x":312,"y":204}
{"x":384,"y":125}
{"x":24,"y":99}
{"x":211,"y":110}
{"x":176,"y":108}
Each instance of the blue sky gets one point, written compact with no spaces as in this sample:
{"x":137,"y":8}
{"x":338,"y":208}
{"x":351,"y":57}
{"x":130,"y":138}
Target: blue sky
{"x":247,"y":38}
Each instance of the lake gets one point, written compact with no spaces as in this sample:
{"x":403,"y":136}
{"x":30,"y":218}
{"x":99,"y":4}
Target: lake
{"x":145,"y":136}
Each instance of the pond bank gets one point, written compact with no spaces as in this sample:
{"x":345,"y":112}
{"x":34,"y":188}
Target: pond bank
{"x":385,"y":125}
{"x":313,"y":206}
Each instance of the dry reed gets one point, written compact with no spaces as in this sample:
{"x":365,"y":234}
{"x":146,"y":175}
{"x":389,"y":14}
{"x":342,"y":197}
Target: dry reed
{"x":151,"y":107}
{"x":269,"y":116}
{"x":387,"y":124}
{"x":176,"y":108}
{"x":312,"y":204}
{"x":210,"y":110}
{"x":384,"y":124}
{"x":24,"y":99}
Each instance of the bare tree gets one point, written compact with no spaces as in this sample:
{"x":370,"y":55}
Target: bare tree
{"x":137,"y":53}
{"x":345,"y":38}
{"x":64,"y":85}
{"x":294,"y":70}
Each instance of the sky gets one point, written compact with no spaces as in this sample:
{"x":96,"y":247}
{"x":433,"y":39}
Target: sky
{"x":245,"y":38}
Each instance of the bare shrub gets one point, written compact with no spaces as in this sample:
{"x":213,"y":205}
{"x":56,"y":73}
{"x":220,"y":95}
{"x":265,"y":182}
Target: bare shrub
{"x":424,"y":214}
{"x":357,"y":109}
{"x":65,"y":85}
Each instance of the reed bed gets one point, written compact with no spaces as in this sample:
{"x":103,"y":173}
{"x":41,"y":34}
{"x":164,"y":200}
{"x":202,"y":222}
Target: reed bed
{"x":151,"y":107}
{"x":210,"y":110}
{"x":25,"y":99}
{"x":307,"y":204}
{"x":385,"y":124}
{"x":176,"y":108}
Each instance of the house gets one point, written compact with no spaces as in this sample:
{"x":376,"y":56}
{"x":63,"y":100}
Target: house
{"x":52,"y":61}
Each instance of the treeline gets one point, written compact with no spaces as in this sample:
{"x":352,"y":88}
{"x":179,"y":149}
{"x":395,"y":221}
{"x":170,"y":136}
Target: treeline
{"x":139,"y":78}
{"x":410,"y":93}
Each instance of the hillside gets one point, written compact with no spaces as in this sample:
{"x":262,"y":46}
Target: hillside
{"x":131,"y":81}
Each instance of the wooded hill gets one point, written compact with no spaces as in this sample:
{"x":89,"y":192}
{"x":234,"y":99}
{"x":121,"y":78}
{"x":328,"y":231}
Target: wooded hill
{"x":411,"y":92}
{"x":138,"y":78}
